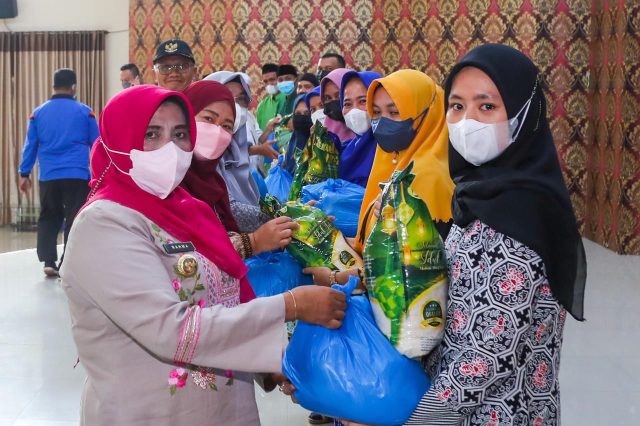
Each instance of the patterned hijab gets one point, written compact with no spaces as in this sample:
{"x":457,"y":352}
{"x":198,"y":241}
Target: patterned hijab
{"x":412,"y":92}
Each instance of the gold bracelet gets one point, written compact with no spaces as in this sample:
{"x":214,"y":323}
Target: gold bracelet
{"x":295,"y":305}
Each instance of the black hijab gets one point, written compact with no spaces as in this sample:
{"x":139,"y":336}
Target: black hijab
{"x":522,"y":193}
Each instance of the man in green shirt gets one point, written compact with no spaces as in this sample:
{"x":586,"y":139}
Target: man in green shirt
{"x":271,"y":105}
{"x":287,"y":76}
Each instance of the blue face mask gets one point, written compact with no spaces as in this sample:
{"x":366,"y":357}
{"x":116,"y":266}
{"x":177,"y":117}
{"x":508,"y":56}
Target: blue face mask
{"x":286,"y":87}
{"x":395,"y":136}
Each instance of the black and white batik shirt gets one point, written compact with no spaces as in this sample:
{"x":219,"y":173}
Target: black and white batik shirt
{"x":499,"y":360}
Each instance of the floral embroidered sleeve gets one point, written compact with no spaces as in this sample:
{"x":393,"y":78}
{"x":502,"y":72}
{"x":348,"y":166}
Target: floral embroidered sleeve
{"x":493,"y":285}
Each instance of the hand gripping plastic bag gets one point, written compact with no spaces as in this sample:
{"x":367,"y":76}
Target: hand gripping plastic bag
{"x":317,"y":162}
{"x":317,"y":242}
{"x":353,"y":373}
{"x":405,"y":269}
{"x":279,"y":181}
{"x":275,"y":272}
{"x":338,"y":198}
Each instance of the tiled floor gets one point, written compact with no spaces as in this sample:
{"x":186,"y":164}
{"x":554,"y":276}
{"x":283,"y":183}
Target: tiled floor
{"x":600,"y":371}
{"x":11,"y":240}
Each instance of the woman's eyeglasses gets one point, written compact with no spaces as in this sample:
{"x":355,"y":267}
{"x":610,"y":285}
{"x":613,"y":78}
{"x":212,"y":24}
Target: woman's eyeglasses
{"x":168,"y":69}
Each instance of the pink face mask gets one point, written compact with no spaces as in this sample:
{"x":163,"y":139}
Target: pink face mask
{"x":211,"y":141}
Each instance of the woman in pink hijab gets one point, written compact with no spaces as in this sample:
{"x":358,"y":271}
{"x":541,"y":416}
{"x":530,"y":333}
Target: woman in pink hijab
{"x":330,"y":95}
{"x":165,"y":322}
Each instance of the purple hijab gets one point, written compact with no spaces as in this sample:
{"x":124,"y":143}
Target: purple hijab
{"x":357,"y":154}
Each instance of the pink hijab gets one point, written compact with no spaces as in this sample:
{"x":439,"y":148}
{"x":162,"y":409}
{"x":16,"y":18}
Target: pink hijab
{"x":336,"y":127}
{"x":123,"y":124}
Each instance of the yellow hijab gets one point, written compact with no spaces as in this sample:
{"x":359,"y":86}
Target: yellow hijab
{"x":412,"y":92}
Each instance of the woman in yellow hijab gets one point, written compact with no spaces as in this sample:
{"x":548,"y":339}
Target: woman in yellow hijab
{"x":407,"y":109}
{"x":408,"y":120}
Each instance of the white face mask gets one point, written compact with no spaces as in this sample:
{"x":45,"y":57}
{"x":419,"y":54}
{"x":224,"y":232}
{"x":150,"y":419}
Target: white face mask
{"x":241,"y":117}
{"x":478,"y":143}
{"x":271,"y":89}
{"x":358,"y":121}
{"x":157,"y":172}
{"x":318,"y":116}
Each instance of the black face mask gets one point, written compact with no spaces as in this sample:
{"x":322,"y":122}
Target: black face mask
{"x":302,"y":123}
{"x":395,"y":136}
{"x":332,"y":110}
{"x":322,"y":74}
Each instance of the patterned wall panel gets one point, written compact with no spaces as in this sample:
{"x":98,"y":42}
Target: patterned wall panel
{"x":579,"y":46}
{"x":613,"y":214}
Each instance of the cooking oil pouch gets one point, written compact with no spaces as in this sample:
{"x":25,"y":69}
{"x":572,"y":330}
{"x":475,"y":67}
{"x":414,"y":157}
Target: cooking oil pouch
{"x":317,"y":162}
{"x":405,"y":269}
{"x":317,"y":242}
{"x":282,"y":134}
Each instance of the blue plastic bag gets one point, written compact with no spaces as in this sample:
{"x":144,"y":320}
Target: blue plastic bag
{"x":279,"y":182}
{"x":262,"y":187}
{"x":339,"y":198}
{"x":275,"y":272}
{"x":353,"y":373}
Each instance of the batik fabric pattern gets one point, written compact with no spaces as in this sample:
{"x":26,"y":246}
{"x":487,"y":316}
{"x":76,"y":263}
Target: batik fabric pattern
{"x":587,"y":53}
{"x":499,"y":361}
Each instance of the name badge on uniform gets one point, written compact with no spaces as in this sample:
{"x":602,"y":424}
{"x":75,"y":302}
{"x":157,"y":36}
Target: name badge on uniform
{"x":174,"y":248}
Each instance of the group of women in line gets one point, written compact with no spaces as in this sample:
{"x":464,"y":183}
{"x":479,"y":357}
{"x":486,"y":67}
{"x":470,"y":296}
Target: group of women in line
{"x":166,"y":324}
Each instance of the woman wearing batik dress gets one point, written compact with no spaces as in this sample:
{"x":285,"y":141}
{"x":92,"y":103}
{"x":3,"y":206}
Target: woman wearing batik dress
{"x":516,"y":260}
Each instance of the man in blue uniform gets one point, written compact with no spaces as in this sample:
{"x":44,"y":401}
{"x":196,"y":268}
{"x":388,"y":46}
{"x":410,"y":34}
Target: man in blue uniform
{"x":60,"y":134}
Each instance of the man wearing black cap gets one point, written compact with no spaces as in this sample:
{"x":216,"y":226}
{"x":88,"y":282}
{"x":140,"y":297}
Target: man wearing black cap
{"x":60,"y":134}
{"x":174,"y":65}
{"x":287,"y":76}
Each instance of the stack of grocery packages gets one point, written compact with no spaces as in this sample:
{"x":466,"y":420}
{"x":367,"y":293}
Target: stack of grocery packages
{"x":367,"y":371}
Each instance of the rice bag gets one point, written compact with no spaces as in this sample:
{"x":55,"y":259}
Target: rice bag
{"x":406,"y":270}
{"x":317,"y":242}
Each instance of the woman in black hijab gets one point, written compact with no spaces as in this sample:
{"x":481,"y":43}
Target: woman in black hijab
{"x":516,"y":260}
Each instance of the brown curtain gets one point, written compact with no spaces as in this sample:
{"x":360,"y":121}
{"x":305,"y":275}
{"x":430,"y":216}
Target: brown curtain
{"x":27,"y":63}
{"x":7,"y":170}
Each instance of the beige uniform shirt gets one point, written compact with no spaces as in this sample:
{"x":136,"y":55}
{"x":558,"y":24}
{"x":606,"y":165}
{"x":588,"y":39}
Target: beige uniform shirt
{"x":162,"y":337}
